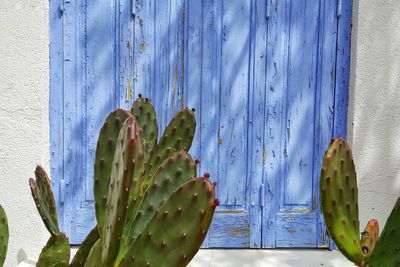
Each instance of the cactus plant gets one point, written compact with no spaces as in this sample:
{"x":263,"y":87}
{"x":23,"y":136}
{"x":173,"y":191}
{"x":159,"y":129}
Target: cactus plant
{"x":146,"y":193}
{"x":145,"y":114}
{"x":369,"y":237}
{"x":3,"y":235}
{"x":105,"y":151}
{"x":339,"y":204}
{"x":128,"y":154}
{"x":84,"y":250}
{"x":56,"y":253}
{"x":44,"y":199}
{"x":162,"y":178}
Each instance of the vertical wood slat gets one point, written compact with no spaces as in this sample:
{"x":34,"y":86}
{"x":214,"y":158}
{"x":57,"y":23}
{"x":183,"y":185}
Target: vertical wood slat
{"x":233,"y":98}
{"x":143,"y":47}
{"x":325,"y":96}
{"x":168,"y":89}
{"x":56,"y":9}
{"x":276,"y":67}
{"x":256,"y":127}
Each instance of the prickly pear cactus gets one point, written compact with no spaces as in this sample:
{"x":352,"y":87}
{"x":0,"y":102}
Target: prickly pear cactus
{"x":128,"y":153}
{"x":177,"y":136}
{"x":339,"y":199}
{"x":44,"y":199}
{"x":105,"y":151}
{"x":84,"y":249}
{"x":174,"y":172}
{"x":94,"y":257}
{"x":177,"y":230}
{"x":56,"y":253}
{"x":145,"y":114}
{"x":3,"y":235}
{"x":369,"y":237}
{"x":387,"y":249}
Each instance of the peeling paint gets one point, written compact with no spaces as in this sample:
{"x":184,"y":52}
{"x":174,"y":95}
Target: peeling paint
{"x":128,"y":96}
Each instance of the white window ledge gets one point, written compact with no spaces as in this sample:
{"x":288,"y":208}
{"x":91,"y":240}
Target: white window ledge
{"x":261,"y":258}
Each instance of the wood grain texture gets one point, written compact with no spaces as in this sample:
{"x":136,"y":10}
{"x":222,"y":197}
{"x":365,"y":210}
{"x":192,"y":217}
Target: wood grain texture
{"x":269,"y":93}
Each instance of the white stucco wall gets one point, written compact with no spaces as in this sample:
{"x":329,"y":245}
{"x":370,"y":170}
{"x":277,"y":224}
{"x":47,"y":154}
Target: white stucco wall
{"x":24,"y":130}
{"x":374,"y":112}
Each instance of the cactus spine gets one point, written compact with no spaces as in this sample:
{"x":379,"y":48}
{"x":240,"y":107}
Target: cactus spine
{"x":339,"y":204}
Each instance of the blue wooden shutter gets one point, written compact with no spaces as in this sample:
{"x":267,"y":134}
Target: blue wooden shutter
{"x":268,"y":80}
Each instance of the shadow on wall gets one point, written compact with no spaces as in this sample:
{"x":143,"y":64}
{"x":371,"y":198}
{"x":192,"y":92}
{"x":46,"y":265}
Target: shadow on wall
{"x":374,"y":105}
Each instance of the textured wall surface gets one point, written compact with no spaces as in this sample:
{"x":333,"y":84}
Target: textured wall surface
{"x":24,"y":138}
{"x":374,"y":111}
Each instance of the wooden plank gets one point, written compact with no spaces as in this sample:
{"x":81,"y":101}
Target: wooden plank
{"x":193,"y":69}
{"x":210,"y":81}
{"x":325,"y":95}
{"x":101,"y":96}
{"x":230,"y":233}
{"x":144,"y":49}
{"x":56,"y":112}
{"x":256,"y":128}
{"x":343,"y":70}
{"x":124,"y":53}
{"x":295,"y":230}
{"x":167,"y":92}
{"x":276,"y":76}
{"x":74,"y":112}
{"x":233,"y":101}
{"x":300,"y":105}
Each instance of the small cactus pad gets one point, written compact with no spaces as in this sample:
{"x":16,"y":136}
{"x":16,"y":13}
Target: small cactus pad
{"x":94,"y":257}
{"x":177,"y":230}
{"x":387,"y":249}
{"x":145,"y":114}
{"x":44,"y":199}
{"x":126,"y":153}
{"x":106,"y":144}
{"x":174,"y":172}
{"x":369,"y":237}
{"x":339,"y":199}
{"x":83,"y":251}
{"x":177,"y":136}
{"x":56,"y":253}
{"x":3,"y":236}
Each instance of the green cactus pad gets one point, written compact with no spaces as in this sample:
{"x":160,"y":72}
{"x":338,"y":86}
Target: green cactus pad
{"x":44,"y":199}
{"x":387,"y":249}
{"x":145,"y":114}
{"x":177,"y":136}
{"x":177,"y":230}
{"x":84,"y":250}
{"x":56,"y":253}
{"x":369,"y":237}
{"x":4,"y":234}
{"x":339,"y":199}
{"x":174,"y":172}
{"x":94,"y":257}
{"x":129,"y":148}
{"x":106,"y":144}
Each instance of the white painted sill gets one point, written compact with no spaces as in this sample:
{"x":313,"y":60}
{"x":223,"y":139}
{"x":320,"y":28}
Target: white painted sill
{"x":260,"y":258}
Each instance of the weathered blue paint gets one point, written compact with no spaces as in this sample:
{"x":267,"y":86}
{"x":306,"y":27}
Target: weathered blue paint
{"x":269,"y":83}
